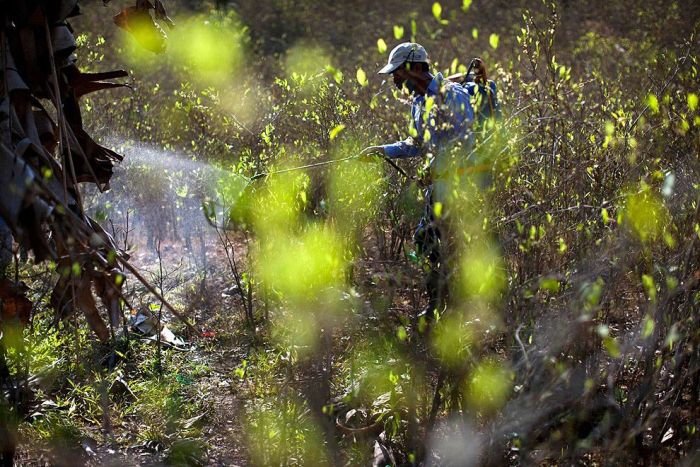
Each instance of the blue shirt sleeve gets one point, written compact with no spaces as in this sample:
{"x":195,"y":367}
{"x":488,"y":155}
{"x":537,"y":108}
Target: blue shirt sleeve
{"x":402,"y":149}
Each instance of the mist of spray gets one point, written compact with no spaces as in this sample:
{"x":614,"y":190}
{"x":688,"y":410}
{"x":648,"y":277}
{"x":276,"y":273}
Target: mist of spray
{"x":162,"y":192}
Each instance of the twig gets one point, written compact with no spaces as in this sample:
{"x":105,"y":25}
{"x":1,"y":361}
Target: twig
{"x":152,"y":289}
{"x":160,"y":309}
{"x":522,"y":347}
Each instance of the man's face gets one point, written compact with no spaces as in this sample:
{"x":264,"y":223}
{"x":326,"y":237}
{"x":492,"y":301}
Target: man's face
{"x":402,"y":77}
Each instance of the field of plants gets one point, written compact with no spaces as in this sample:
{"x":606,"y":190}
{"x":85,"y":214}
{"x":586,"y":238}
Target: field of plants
{"x":260,"y":286}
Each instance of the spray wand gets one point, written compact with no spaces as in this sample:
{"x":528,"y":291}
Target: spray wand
{"x":320,"y":164}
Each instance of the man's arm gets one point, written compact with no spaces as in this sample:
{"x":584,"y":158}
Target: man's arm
{"x":402,"y":149}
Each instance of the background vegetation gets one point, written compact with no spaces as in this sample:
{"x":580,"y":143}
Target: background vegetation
{"x":573,"y":334}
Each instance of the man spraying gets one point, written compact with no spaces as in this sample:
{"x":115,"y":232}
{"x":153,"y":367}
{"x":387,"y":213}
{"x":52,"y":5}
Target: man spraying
{"x":441,"y":119}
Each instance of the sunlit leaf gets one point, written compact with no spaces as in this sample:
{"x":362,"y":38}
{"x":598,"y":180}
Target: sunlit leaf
{"x":653,"y":103}
{"x":493,"y":41}
{"x":489,"y":385}
{"x":437,"y":11}
{"x":482,"y":273}
{"x":336,"y":131}
{"x":550,"y":284}
{"x":646,"y":214}
{"x":306,"y":59}
{"x":649,"y":286}
{"x":398,"y":32}
{"x":401,"y":333}
{"x":197,"y":43}
{"x":692,"y":101}
{"x":381,"y":45}
{"x":361,"y":77}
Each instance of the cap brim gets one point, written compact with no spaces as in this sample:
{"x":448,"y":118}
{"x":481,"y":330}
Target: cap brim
{"x":388,"y":68}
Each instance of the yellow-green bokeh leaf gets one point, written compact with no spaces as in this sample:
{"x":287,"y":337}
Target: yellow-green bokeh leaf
{"x":212,"y":52}
{"x":355,"y":193}
{"x":494,"y":40}
{"x":653,"y":103}
{"x":648,"y":326}
{"x":452,"y":339}
{"x":482,"y":273}
{"x":611,"y":346}
{"x":489,"y":386}
{"x":306,"y":59}
{"x":381,"y":45}
{"x":361,"y":77}
{"x":646,"y":214}
{"x":550,"y":284}
{"x":437,"y":11}
{"x":301,"y":267}
{"x":649,"y":286}
{"x":336,"y":131}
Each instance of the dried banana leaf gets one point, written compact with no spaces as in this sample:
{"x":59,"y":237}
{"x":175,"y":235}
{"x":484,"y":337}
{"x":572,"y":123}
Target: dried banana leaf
{"x":14,"y":304}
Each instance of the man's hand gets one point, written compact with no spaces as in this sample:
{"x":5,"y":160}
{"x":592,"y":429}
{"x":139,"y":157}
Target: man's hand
{"x":372,"y":154}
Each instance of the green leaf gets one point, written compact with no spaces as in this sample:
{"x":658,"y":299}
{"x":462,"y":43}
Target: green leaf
{"x":466,"y":4}
{"x":413,"y":257}
{"x":337,"y":74}
{"x":609,"y":128}
{"x":692,"y":101}
{"x":398,"y":32}
{"x":648,"y":327}
{"x":437,"y":11}
{"x":653,"y":103}
{"x":650,"y":286}
{"x":550,"y":284}
{"x":493,"y":40}
{"x":673,"y":336}
{"x":610,"y":344}
{"x":475,"y":33}
{"x":604,"y":214}
{"x":381,"y":45}
{"x":401,"y":333}
{"x":562,"y":246}
{"x":361,"y":77}
{"x":335,"y":131}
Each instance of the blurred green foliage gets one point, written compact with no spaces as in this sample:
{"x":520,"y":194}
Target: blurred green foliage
{"x":572,"y":258}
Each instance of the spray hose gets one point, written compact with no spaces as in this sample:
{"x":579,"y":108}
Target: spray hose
{"x":293,"y":169}
{"x":321,"y":164}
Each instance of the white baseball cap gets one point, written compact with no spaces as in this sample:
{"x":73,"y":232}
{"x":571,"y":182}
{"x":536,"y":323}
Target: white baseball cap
{"x":402,"y":53}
